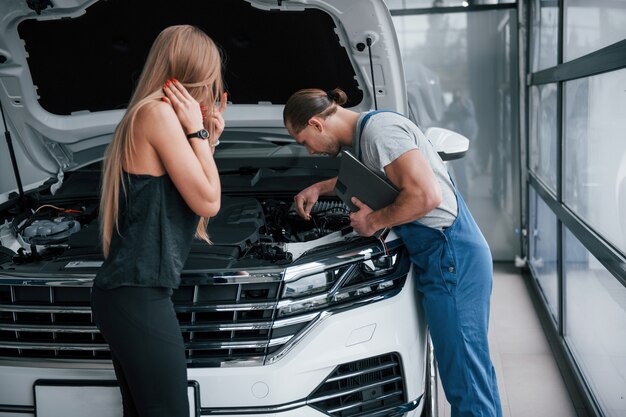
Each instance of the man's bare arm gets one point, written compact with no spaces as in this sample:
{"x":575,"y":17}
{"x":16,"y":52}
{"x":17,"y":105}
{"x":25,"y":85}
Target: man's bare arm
{"x":419,"y":194}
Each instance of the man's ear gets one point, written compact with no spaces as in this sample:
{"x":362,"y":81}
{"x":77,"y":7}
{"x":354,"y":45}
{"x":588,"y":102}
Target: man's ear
{"x":317,"y":123}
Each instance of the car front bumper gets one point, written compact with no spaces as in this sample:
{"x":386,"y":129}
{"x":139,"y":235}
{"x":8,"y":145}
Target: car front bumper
{"x":286,"y":387}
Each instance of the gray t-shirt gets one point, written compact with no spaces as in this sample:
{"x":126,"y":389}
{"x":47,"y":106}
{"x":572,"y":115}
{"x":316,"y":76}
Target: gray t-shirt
{"x":388,"y":135}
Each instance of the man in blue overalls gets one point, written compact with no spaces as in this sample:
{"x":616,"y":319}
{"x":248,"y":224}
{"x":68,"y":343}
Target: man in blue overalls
{"x":452,"y":261}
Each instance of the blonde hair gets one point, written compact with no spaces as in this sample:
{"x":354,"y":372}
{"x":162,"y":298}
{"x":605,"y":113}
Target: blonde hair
{"x":183,"y":52}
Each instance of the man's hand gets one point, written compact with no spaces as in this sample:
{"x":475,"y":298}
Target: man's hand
{"x":305,"y":200}
{"x":359,"y":219}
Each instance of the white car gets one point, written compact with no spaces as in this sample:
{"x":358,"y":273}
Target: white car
{"x":280,"y":316}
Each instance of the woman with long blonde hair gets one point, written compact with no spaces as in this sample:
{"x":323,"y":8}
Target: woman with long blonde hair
{"x":160,"y":185}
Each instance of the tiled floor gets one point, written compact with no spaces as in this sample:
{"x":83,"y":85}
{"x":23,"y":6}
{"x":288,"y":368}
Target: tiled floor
{"x":529,"y":379}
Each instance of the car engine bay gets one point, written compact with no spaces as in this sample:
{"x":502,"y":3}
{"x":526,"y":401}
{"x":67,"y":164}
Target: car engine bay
{"x":248,"y":231}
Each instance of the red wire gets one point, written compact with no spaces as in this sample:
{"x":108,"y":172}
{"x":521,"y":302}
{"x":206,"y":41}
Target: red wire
{"x":384,"y":245}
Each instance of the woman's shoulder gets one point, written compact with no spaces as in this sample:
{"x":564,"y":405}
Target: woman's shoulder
{"x":153,"y":128}
{"x":154,"y":120}
{"x":155,"y":111}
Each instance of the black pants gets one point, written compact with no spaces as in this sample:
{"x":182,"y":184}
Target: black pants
{"x":147,"y":348}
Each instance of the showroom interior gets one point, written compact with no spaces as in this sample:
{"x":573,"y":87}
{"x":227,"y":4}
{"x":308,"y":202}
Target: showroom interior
{"x":552,"y":72}
{"x":543,"y":83}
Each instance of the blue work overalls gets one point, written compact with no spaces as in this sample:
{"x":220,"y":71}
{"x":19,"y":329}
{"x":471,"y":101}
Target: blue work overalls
{"x":454,"y":270}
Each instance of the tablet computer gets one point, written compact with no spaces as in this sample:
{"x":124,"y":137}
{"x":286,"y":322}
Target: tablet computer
{"x":357,"y":180}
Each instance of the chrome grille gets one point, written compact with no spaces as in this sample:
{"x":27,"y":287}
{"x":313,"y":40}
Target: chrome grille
{"x":224,"y":320}
{"x":362,"y":388}
{"x":239,"y":319}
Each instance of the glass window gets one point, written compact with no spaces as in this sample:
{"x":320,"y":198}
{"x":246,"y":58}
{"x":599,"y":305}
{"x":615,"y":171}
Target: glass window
{"x":594,"y":184}
{"x":544,"y":35}
{"x":422,"y":4}
{"x":595,"y":319}
{"x":467,"y":89}
{"x":592,"y":25}
{"x":543,"y":249}
{"x":543,"y":140}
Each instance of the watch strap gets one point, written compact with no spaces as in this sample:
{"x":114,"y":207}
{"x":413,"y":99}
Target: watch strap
{"x":202,"y":134}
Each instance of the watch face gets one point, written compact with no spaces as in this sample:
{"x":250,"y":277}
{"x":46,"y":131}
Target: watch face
{"x":203,"y":134}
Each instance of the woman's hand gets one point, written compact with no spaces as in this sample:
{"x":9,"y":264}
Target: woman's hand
{"x":186,"y":107}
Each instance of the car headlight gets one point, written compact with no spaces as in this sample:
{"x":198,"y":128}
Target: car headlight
{"x":309,"y":285}
{"x":345,"y":285}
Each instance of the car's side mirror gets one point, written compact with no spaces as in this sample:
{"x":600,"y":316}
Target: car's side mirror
{"x":449,"y":145}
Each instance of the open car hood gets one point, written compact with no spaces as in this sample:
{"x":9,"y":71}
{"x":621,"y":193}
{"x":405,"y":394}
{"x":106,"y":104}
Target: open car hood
{"x":67,"y":72}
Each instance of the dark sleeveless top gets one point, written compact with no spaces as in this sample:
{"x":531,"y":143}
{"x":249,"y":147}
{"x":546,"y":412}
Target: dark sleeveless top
{"x":156,"y":228}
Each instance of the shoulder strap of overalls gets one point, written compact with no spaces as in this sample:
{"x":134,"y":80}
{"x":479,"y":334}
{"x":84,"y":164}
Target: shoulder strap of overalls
{"x":362,"y":126}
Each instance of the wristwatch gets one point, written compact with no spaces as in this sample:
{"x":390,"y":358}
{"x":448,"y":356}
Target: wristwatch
{"x":202,"y":134}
